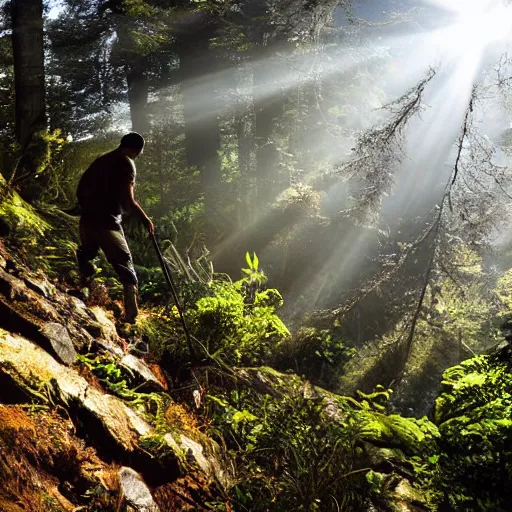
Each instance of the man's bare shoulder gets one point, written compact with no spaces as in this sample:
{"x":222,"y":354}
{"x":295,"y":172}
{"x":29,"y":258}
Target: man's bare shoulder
{"x":114,"y":159}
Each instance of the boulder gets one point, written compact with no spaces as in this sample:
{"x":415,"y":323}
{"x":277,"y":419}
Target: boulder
{"x":119,"y":427}
{"x":12,"y":287}
{"x":107,"y":325}
{"x":27,"y":312}
{"x":40,"y":286}
{"x":60,"y":341}
{"x":32,"y":368}
{"x":142,"y":373}
{"x":136,"y":492}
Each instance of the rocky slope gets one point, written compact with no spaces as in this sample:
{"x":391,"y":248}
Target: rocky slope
{"x":70,"y":440}
{"x":89,"y":422}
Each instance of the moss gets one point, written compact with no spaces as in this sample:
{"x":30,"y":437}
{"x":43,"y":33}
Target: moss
{"x":31,"y":312}
{"x":164,"y":450}
{"x":412,"y":435}
{"x":278,"y":381}
{"x":50,"y":503}
{"x":21,"y":218}
{"x":475,"y":383}
{"x":45,"y":238}
{"x":179,"y":417}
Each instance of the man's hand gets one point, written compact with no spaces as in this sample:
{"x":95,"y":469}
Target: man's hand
{"x":148,"y":224}
{"x":130,"y":204}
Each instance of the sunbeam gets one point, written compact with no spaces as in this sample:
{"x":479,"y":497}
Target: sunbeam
{"x":458,"y":48}
{"x":281,"y":74}
{"x":476,"y":25}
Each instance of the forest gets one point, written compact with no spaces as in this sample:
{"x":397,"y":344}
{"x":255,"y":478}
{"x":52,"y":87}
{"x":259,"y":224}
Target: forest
{"x":326,"y":304}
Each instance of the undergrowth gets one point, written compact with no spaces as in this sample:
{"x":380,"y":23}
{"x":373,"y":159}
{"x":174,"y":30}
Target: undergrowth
{"x":291,"y":447}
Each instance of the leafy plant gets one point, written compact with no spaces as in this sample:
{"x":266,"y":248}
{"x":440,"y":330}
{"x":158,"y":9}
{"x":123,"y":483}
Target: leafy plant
{"x":109,"y":372}
{"x":291,"y":455}
{"x":254,"y":275}
{"x":234,"y":330}
{"x":474,"y":414}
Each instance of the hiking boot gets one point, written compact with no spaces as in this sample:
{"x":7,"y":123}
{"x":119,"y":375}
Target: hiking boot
{"x":131,"y":309}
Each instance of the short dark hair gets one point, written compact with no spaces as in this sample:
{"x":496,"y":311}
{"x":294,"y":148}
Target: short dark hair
{"x":133,"y":140}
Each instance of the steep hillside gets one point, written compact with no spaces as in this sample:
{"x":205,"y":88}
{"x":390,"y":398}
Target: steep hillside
{"x":98,"y":417}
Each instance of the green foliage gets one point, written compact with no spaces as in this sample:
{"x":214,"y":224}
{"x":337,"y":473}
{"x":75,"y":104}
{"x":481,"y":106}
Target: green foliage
{"x":415,"y":436}
{"x":152,"y":284}
{"x":232,"y":329}
{"x":25,"y":225}
{"x":253,"y":274}
{"x":290,"y":455}
{"x":503,"y":291}
{"x":377,"y":400}
{"x":474,"y":416}
{"x":319,"y":355}
{"x":161,"y":328}
{"x":109,"y":372}
{"x":34,"y":173}
{"x":455,"y":321}
{"x":120,"y":381}
{"x":460,"y":305}
{"x":46,"y":237}
{"x":170,"y":191}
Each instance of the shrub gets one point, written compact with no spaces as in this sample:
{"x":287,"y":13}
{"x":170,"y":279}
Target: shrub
{"x":474,"y":414}
{"x":290,"y":455}
{"x":232,"y":329}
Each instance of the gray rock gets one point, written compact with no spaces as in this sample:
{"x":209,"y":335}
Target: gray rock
{"x":43,"y":288}
{"x":136,"y":492}
{"x":61,"y":342}
{"x":106,"y":324}
{"x":80,"y":308}
{"x":194,"y":454}
{"x":12,"y":287}
{"x":80,"y":336}
{"x":142,"y":372}
{"x":31,"y":367}
{"x":408,"y":498}
{"x":109,"y":346}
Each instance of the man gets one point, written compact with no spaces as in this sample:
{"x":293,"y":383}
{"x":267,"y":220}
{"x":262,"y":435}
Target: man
{"x":104,"y":193}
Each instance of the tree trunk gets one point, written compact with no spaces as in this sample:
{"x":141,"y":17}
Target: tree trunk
{"x":162,"y":206}
{"x":246,"y":186}
{"x":269,"y":108}
{"x":30,"y":106}
{"x":28,"y":52}
{"x":201,"y":112}
{"x":138,"y":97}
{"x":245,"y":124}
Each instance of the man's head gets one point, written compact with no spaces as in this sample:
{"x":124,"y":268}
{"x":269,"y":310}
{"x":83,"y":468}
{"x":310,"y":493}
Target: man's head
{"x":133,"y":144}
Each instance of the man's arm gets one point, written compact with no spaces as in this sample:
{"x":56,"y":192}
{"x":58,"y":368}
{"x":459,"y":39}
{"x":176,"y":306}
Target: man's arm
{"x":130,"y":204}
